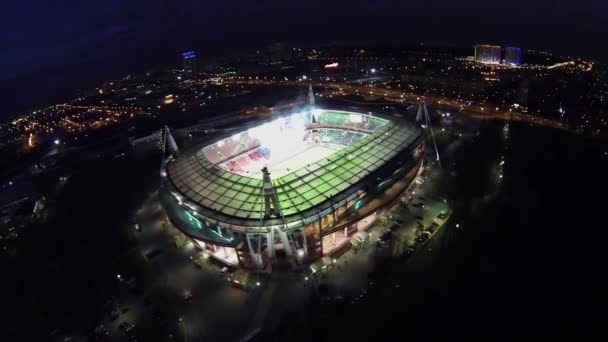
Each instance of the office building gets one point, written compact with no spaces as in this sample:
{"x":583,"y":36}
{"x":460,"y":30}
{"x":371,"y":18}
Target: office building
{"x":513,"y":55}
{"x":189,"y":62}
{"x":487,"y":54}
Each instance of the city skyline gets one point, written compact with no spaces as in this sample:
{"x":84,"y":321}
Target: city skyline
{"x":84,"y":45}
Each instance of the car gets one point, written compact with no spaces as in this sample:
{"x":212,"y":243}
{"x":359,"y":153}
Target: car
{"x":393,"y":227}
{"x":434,"y":225}
{"x":379,"y":243}
{"x":153,"y":253}
{"x":125,"y":327}
{"x":386,"y":236}
{"x":410,"y":251}
{"x":188,"y":298}
{"x":442,"y":216}
{"x":399,"y":221}
{"x":100,"y":331}
{"x":418,"y":217}
{"x":418,"y":205}
{"x":422,"y":238}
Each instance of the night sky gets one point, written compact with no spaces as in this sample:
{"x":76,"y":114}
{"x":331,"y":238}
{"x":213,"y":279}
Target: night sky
{"x":52,"y":48}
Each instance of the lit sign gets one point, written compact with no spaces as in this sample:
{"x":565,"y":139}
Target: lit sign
{"x":188,"y":54}
{"x":331,"y":65}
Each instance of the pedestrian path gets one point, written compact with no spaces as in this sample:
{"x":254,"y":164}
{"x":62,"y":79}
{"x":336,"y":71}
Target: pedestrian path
{"x":263,"y":306}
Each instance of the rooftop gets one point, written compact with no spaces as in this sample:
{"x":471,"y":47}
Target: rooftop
{"x":239,"y":196}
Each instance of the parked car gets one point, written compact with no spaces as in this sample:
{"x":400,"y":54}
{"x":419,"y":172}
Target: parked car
{"x":393,"y":227}
{"x":188,"y":298}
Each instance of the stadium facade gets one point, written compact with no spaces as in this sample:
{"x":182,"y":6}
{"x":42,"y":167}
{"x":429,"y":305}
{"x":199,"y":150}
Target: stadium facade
{"x":292,"y":190}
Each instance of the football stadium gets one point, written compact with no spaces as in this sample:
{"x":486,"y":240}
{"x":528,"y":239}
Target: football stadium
{"x":291,"y":191}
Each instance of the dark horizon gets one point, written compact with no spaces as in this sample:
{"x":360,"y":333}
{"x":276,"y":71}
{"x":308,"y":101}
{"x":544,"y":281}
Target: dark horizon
{"x":70,"y":46}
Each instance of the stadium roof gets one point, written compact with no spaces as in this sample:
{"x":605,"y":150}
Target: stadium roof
{"x":212,"y":187}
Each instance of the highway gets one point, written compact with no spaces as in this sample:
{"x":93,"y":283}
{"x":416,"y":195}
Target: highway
{"x":464,"y":108}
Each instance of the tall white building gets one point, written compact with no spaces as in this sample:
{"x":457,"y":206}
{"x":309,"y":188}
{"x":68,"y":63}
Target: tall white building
{"x":487,"y":54}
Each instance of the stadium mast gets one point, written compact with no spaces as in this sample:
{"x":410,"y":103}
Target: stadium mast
{"x":169,"y":142}
{"x":423,"y":116}
{"x":311,"y":96}
{"x":271,"y":202}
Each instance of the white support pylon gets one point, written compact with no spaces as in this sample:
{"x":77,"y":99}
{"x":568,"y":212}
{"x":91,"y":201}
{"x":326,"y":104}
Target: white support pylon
{"x":423,"y":114}
{"x":311,"y":96}
{"x":169,"y":142}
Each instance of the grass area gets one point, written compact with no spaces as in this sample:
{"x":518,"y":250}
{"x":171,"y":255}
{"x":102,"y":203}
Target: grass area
{"x":443,"y":139}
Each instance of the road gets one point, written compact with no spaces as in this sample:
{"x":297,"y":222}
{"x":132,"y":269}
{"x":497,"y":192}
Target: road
{"x":465,"y":108}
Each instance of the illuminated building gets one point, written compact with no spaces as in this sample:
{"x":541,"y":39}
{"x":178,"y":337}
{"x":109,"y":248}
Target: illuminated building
{"x":189,"y":62}
{"x":513,"y":55}
{"x":292,"y":190}
{"x":487,"y":54}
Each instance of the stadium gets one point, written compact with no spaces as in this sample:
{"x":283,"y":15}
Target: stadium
{"x":293,"y":190}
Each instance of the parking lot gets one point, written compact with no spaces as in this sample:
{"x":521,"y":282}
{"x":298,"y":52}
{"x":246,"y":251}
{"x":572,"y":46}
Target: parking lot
{"x":190,"y":298}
